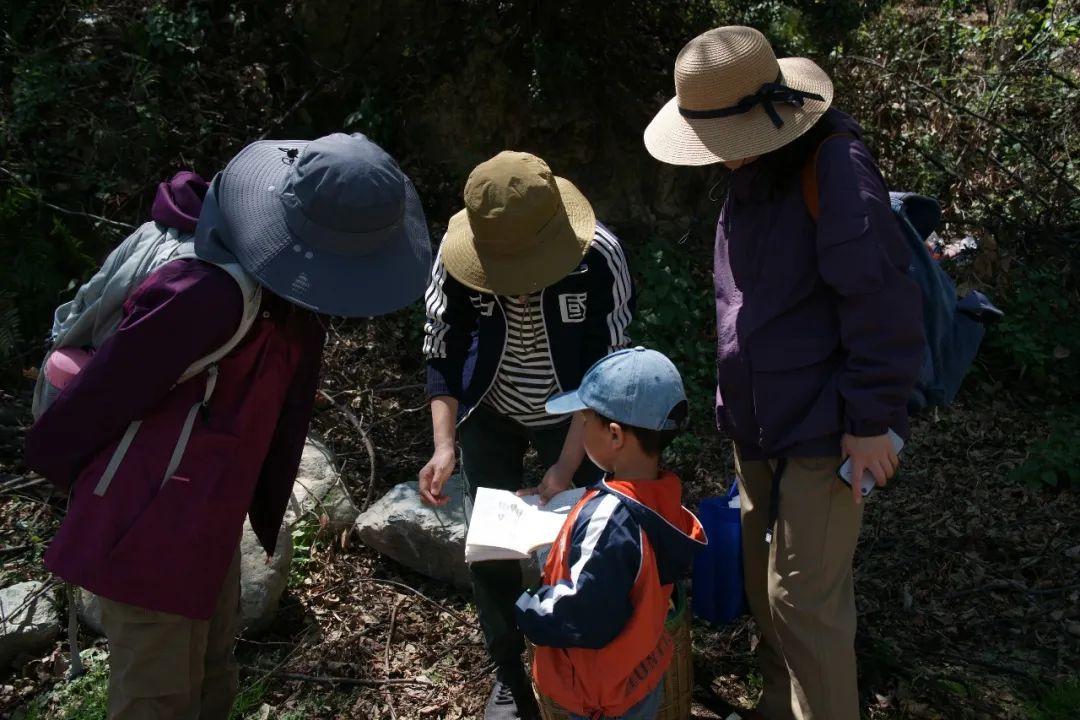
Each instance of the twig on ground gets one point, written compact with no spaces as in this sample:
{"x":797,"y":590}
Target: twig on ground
{"x":390,"y":634}
{"x":389,"y":704}
{"x":419,"y":594}
{"x":318,"y":501}
{"x":276,"y":669}
{"x":351,"y":416}
{"x":336,"y":680}
{"x":17,"y":548}
{"x":21,"y":483}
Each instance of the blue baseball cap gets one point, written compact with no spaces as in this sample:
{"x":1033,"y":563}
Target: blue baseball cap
{"x":637,"y":387}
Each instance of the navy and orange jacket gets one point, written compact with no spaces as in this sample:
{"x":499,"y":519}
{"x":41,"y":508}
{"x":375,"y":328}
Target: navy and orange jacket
{"x":598,"y":619}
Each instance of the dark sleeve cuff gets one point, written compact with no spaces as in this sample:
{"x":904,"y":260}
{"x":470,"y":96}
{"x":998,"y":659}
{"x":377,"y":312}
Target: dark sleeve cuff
{"x":865,"y":428}
{"x":435,"y":384}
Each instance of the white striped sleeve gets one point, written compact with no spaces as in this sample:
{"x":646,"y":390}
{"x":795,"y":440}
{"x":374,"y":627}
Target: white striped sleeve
{"x":435,"y":328}
{"x":618,"y":320}
{"x":591,"y":607}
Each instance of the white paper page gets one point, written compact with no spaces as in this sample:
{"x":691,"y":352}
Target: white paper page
{"x":501,"y":519}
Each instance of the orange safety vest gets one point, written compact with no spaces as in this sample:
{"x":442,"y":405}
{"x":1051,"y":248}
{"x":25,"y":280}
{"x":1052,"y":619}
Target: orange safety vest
{"x":610,"y":680}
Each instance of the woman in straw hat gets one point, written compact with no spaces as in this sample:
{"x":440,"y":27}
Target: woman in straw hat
{"x":819,"y":342}
{"x":328,"y":226}
{"x":527,"y":292}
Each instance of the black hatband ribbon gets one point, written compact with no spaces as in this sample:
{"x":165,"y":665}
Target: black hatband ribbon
{"x":767,"y":96}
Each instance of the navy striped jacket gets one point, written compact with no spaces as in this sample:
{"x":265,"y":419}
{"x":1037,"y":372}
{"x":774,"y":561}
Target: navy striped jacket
{"x":586,"y":315}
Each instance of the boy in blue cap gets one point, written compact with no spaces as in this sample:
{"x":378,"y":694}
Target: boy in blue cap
{"x":598,"y":617}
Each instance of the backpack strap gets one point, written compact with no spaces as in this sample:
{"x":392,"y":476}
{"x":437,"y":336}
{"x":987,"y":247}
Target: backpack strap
{"x":251,"y":291}
{"x":809,"y":177}
{"x":252,"y":294}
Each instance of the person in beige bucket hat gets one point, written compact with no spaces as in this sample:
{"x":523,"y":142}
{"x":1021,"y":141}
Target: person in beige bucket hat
{"x":820,"y":341}
{"x":521,"y":230}
{"x":528,"y":291}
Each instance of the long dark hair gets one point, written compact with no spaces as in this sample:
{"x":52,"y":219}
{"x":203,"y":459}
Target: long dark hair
{"x":782,"y":168}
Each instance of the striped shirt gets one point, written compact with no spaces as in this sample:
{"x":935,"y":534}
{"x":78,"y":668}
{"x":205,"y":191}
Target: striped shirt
{"x":525,"y":379}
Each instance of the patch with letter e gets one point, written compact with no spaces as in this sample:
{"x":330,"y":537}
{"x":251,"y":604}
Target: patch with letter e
{"x":572,"y":307}
{"x":484,"y":304}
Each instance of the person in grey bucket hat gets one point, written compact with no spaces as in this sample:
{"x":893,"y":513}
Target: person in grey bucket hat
{"x":332,"y":225}
{"x":163,"y":462}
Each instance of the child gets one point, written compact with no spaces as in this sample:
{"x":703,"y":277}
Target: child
{"x":819,"y":343}
{"x":598,"y":619}
{"x":332,"y":226}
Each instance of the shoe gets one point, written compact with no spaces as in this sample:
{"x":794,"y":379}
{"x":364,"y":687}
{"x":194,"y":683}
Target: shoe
{"x":512,"y":697}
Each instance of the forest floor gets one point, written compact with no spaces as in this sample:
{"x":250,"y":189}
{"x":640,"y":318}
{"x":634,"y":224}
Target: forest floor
{"x":968,"y":584}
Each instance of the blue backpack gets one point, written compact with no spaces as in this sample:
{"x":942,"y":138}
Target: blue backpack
{"x":954,"y":326}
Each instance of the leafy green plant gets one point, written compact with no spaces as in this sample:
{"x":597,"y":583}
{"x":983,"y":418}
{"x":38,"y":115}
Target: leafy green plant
{"x":1039,"y":337}
{"x":1054,"y":462}
{"x":304,"y":534}
{"x":84,"y":698}
{"x":1061,"y":702}
{"x":305,"y":710}
{"x":176,"y":31}
{"x":799,"y":27}
{"x":40,"y":264}
{"x":675,"y":315}
{"x":9,"y":326}
{"x":249,"y":700}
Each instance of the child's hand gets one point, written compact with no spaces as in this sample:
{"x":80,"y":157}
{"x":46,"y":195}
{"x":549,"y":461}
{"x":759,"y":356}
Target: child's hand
{"x":556,"y":479}
{"x":873,"y":454}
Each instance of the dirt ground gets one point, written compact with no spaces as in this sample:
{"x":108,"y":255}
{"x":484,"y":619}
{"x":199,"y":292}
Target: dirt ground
{"x":968,"y":588}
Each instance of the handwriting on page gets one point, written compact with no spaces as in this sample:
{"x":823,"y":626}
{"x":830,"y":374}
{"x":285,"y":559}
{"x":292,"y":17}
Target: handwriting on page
{"x":510,"y":509}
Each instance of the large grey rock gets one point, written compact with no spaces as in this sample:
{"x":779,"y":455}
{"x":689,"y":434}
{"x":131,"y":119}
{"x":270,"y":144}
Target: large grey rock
{"x":29,"y":620}
{"x":262,"y":582}
{"x":89,"y":608}
{"x":261,"y":585}
{"x":319,"y":489}
{"x":426,"y":539}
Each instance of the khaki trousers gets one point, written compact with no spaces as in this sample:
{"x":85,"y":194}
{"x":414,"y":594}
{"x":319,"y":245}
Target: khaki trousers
{"x":800,"y":587}
{"x":169,"y":667}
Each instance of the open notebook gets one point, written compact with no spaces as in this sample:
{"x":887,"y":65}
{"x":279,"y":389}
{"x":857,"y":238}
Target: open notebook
{"x":504,"y":526}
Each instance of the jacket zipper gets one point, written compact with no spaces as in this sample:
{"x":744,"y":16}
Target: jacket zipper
{"x":551,"y":356}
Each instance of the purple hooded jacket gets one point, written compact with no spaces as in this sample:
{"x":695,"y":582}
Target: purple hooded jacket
{"x":167,"y":546}
{"x":179,"y":200}
{"x":819,"y":326}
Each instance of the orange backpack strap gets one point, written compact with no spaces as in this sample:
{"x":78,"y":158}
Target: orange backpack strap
{"x":809,"y":177}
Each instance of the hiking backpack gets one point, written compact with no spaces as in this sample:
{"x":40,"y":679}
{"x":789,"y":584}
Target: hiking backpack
{"x":96,"y":311}
{"x":954,"y":327}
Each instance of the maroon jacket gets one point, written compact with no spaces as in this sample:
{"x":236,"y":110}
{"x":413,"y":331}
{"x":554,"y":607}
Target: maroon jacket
{"x":167,"y":547}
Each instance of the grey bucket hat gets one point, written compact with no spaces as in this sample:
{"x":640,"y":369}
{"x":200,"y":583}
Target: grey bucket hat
{"x":332,"y":224}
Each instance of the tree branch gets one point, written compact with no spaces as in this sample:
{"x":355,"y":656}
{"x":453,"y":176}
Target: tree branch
{"x":40,"y":197}
{"x":975,"y":114}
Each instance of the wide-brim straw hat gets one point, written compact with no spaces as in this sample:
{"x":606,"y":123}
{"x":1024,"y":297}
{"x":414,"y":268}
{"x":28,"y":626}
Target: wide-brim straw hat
{"x":332,"y":224}
{"x":735,"y":100}
{"x":522,"y":228}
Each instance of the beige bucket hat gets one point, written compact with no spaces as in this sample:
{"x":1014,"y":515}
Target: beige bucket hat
{"x":522,"y":228}
{"x":734,"y":100}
